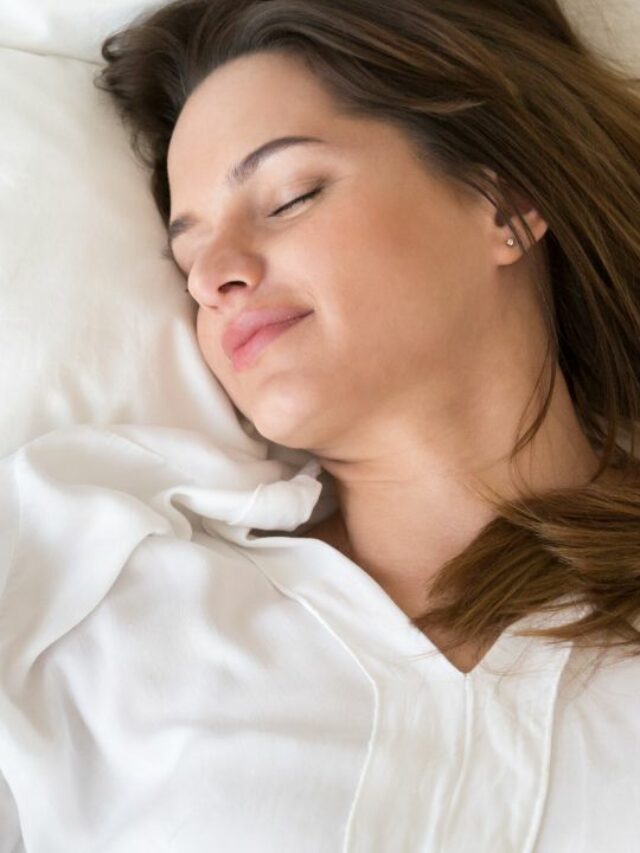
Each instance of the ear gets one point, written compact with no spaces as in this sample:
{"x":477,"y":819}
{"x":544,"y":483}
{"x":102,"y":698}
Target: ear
{"x":504,"y":230}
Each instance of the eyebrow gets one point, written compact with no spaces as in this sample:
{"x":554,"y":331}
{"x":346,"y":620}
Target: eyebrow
{"x":238,"y":175}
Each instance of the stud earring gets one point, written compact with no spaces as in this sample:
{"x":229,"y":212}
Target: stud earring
{"x":511,"y":242}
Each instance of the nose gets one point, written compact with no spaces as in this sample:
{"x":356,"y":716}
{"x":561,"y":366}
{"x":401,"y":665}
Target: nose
{"x":217,"y":278}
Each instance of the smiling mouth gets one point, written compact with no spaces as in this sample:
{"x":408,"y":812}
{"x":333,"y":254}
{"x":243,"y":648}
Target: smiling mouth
{"x":244,"y":357}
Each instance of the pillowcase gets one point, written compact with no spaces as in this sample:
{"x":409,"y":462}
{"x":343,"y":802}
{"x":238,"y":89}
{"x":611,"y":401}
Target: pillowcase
{"x":610,"y":27}
{"x":72,"y":28}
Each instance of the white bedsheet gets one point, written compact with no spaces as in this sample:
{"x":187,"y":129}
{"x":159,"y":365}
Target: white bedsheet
{"x":170,"y":681}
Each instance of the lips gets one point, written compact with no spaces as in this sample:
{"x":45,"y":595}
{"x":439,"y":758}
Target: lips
{"x":244,"y":327}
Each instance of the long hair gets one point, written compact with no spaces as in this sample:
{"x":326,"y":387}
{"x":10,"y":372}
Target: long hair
{"x":506,"y":85}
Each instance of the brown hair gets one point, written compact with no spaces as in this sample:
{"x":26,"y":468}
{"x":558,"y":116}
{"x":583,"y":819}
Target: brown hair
{"x":509,"y":86}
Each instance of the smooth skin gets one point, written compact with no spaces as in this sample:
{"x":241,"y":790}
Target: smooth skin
{"x":410,"y":377}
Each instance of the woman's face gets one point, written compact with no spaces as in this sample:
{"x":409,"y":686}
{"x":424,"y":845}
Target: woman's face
{"x":401,"y":274}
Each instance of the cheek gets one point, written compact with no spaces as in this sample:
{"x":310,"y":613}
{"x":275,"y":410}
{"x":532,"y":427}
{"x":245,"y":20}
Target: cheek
{"x":216,"y":360}
{"x":210,"y":347}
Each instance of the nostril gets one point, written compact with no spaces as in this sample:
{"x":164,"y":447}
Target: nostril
{"x":230,"y":284}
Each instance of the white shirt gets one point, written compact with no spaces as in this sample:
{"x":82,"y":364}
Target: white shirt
{"x":170,"y":681}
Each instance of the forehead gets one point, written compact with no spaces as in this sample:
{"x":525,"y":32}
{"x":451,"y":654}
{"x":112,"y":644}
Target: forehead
{"x":240,"y":105}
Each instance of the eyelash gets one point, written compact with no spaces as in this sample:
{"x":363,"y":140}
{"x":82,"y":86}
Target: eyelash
{"x":288,"y":206}
{"x":295,"y":201}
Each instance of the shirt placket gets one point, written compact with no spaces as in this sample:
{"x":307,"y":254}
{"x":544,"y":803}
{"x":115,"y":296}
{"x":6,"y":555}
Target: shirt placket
{"x":415,"y":754}
{"x":458,"y":762}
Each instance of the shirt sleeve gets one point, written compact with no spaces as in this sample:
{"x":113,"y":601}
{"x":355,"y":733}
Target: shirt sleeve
{"x":52,"y":517}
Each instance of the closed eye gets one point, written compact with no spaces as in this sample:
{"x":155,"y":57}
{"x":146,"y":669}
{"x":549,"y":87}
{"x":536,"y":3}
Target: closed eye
{"x":298,"y":200}
{"x":167,"y":253}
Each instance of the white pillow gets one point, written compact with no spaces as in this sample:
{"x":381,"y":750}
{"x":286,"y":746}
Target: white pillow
{"x":73,"y":28}
{"x":96,"y":326}
{"x":611,"y":27}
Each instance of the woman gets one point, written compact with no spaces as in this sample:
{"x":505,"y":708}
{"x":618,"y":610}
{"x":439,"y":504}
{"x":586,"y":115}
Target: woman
{"x":443,"y":199}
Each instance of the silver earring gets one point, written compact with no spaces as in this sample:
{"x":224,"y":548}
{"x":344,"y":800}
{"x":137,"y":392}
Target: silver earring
{"x":511,"y":242}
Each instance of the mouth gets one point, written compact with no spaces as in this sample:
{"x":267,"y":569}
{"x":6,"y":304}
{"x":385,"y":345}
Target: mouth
{"x":245,"y":356}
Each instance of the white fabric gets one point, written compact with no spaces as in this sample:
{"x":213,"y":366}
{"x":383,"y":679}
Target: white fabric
{"x":172,"y":681}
